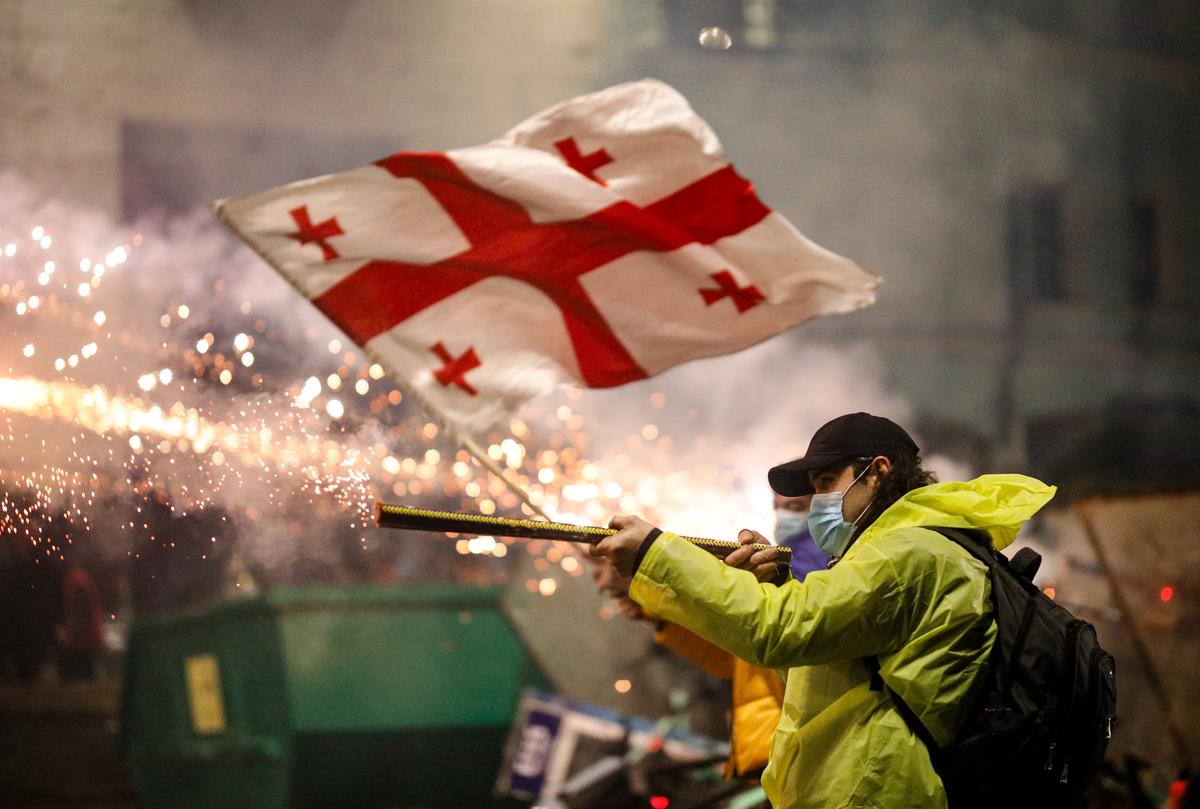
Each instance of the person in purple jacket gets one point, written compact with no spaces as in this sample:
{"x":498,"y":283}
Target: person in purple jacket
{"x":791,"y":530}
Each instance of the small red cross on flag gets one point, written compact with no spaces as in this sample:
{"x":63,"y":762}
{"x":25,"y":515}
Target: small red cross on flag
{"x":744,"y":298}
{"x":485,"y":276}
{"x":585,"y":164}
{"x":454,"y":369}
{"x":320,"y":234}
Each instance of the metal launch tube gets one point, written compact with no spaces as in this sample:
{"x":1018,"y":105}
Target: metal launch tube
{"x":423,"y":519}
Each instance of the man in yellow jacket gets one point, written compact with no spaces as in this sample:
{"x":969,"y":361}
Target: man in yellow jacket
{"x":898,"y":592}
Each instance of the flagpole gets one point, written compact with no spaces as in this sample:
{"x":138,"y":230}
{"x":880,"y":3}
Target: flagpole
{"x":464,"y":441}
{"x":478,"y":453}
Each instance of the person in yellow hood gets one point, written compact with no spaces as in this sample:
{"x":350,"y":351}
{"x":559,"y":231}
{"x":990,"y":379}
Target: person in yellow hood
{"x":897,"y":593}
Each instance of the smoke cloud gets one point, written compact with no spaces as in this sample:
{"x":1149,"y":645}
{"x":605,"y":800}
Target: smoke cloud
{"x":166,"y":355}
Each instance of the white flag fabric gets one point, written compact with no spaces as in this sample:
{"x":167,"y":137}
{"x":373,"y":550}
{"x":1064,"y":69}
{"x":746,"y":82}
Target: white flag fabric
{"x":601,"y":241}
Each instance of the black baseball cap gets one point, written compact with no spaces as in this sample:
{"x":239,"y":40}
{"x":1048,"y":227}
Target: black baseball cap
{"x":855,"y":435}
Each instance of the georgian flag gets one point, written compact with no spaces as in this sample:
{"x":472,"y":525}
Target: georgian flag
{"x":602,"y":241}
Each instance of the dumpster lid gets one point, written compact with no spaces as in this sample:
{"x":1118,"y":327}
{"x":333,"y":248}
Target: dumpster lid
{"x":355,"y":597}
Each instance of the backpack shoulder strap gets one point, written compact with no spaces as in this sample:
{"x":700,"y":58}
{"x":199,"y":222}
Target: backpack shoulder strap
{"x":979,"y":545}
{"x":976,"y":543}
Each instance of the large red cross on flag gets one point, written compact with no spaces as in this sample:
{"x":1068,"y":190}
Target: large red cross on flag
{"x":601,"y":241}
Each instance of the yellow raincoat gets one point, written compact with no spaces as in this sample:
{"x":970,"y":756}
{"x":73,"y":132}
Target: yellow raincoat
{"x":910,"y":596}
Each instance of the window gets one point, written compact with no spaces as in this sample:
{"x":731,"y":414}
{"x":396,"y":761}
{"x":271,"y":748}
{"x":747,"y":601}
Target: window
{"x":1146,"y":280}
{"x":1140,"y":26}
{"x":1035,"y":242}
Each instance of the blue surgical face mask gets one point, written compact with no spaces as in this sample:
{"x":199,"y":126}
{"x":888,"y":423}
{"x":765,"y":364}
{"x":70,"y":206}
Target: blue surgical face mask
{"x":789,"y":524}
{"x":826,"y":523}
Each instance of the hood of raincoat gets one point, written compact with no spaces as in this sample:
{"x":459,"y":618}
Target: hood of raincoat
{"x":997,"y":504}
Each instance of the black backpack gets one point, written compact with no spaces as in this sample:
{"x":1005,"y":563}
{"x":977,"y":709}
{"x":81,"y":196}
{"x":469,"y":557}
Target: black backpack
{"x":1036,"y":736}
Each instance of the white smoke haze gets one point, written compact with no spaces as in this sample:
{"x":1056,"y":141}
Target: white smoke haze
{"x":119,"y":338}
{"x":729,"y":419}
{"x":144,"y":357}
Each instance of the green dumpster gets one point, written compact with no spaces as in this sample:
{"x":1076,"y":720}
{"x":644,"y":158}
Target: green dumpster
{"x":324,"y":697}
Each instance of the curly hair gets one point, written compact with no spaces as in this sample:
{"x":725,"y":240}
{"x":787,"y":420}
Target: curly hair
{"x":906,"y":474}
